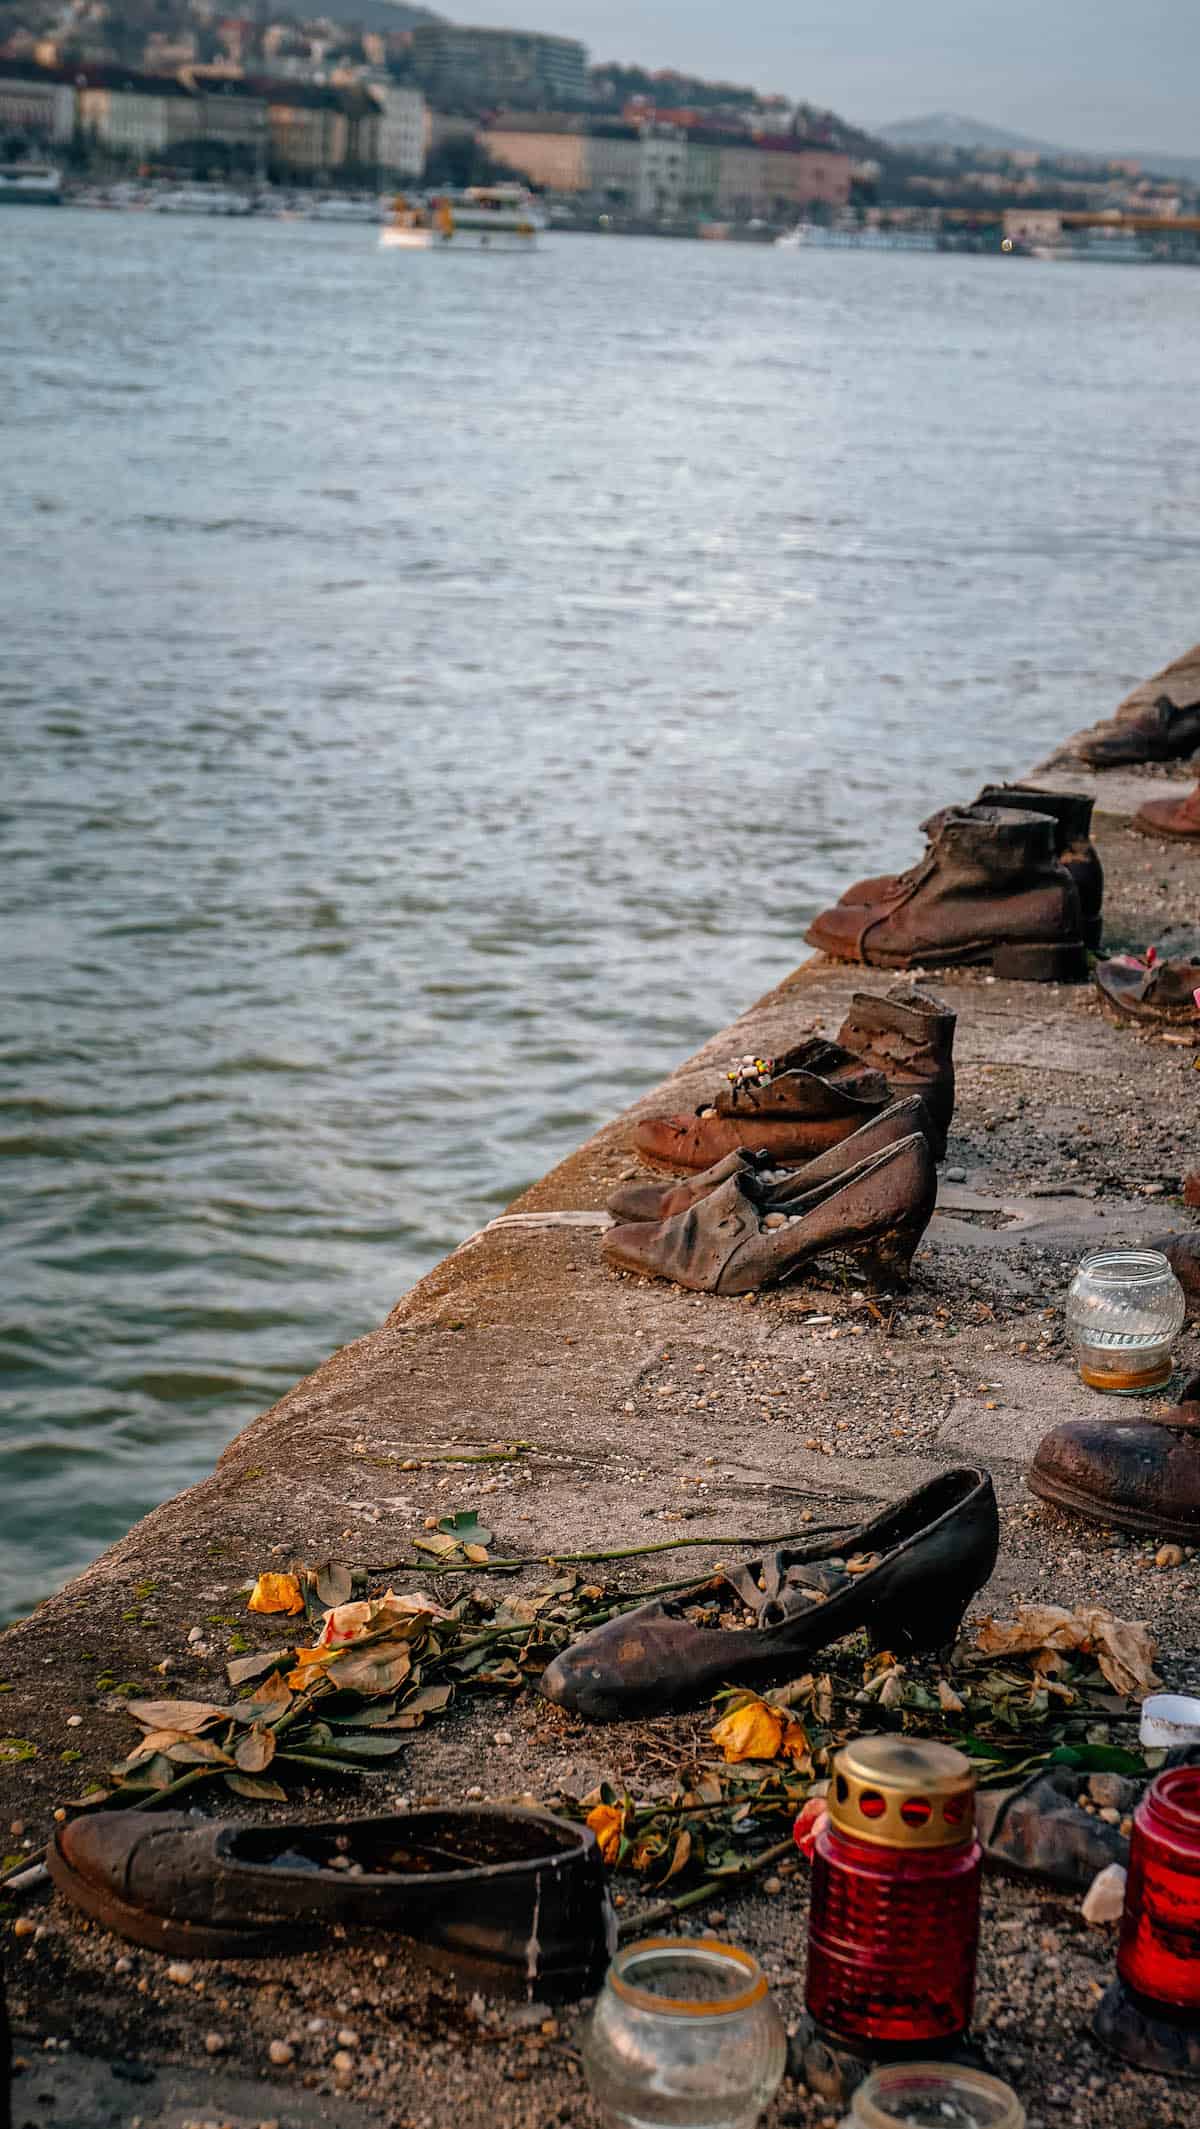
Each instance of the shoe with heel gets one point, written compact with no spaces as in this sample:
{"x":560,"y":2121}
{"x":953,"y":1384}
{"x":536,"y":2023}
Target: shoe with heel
{"x":907,"y":1576}
{"x":740,"y":1238}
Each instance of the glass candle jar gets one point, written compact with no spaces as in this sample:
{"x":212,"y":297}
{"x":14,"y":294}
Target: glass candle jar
{"x":684,"y":2034}
{"x":934,"y":2095}
{"x":1158,"y":1956}
{"x":1125,"y":1309}
{"x":894,"y":1918}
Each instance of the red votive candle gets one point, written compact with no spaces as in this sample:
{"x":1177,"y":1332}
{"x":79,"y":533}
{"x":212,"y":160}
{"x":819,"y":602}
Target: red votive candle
{"x":894,"y":1920}
{"x":1158,"y":1957}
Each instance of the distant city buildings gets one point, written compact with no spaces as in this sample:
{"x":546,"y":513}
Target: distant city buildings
{"x":486,"y":68}
{"x":663,"y":172}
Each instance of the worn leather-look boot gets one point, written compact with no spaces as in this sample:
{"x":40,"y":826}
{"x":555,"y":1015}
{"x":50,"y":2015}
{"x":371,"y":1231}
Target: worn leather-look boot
{"x":1071,"y":813}
{"x":990,"y":889}
{"x":1140,"y":1475}
{"x":662,"y":1201}
{"x":815,"y":1097}
{"x":734,"y":1242}
{"x":910,"y":1036}
{"x":1166,"y":731}
{"x":1175,"y":817}
{"x":932,"y":1552}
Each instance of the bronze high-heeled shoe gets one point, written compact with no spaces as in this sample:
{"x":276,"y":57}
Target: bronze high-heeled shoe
{"x":734,"y":1241}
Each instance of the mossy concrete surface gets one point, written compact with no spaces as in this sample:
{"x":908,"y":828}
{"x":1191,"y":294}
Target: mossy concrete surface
{"x":629,"y":1413}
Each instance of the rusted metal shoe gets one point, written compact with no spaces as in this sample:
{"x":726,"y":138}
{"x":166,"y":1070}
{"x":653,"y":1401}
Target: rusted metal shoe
{"x":736,"y":1241}
{"x":1040,"y":1830}
{"x":1178,"y":818}
{"x":1143,"y":1476}
{"x":507,"y":1900}
{"x":907,"y":1576}
{"x":1165,"y":730}
{"x":1157,"y":993}
{"x":989,"y":890}
{"x":800,"y":1104}
{"x":662,"y":1201}
{"x":1071,"y":813}
{"x":910,"y":1037}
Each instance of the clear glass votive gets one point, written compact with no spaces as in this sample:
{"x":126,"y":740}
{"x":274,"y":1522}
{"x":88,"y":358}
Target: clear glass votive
{"x":684,"y":2036}
{"x":1125,"y":1309}
{"x":933,"y":2095}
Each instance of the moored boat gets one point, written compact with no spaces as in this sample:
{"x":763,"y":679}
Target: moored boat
{"x":30,"y":185}
{"x":481,"y":218}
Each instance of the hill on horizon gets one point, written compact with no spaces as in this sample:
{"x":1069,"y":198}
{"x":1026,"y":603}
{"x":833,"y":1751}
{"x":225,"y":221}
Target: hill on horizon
{"x":949,"y":129}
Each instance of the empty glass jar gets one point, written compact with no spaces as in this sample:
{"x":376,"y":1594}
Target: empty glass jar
{"x":933,"y":2095}
{"x":684,"y":2036}
{"x":1125,"y":1309}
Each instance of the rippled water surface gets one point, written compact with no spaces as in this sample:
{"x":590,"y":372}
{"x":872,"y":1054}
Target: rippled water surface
{"x":437,"y":692}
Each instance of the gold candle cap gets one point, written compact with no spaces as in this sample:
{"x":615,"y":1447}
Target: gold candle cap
{"x":899,"y":1793}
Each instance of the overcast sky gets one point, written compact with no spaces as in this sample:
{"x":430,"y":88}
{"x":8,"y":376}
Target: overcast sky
{"x":1088,"y":73}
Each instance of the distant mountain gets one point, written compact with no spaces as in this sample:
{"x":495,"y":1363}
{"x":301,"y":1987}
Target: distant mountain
{"x":948,"y":129}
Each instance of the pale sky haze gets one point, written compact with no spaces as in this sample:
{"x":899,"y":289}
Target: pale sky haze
{"x":1092,"y":74}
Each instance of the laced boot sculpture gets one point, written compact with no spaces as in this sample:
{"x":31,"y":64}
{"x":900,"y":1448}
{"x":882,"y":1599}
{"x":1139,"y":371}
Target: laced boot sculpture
{"x":910,"y":1037}
{"x":989,"y":890}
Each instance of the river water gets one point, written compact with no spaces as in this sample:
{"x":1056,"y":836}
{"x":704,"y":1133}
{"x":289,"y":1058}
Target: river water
{"x":438,"y":692}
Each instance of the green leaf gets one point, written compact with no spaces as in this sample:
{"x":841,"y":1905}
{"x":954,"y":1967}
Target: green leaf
{"x":14,"y":1748}
{"x":464,"y":1526}
{"x":1098,"y":1759}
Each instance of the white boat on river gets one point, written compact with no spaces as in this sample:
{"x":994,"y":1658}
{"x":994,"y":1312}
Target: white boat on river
{"x":481,"y":218}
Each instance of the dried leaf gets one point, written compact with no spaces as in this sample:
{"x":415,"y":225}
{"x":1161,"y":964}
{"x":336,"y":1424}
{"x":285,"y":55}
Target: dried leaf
{"x":752,"y":1730}
{"x":1124,"y":1649}
{"x":334,"y":1583}
{"x":442,"y":1548}
{"x":477,"y":1554}
{"x":244,"y":1668}
{"x":681,"y":1856}
{"x":187,"y":1717}
{"x":372,"y":1671}
{"x":948,"y":1699}
{"x":428,"y":1700}
{"x":607,"y":1822}
{"x":276,"y":1593}
{"x":258,"y":1790}
{"x":255,"y":1751}
{"x":197,"y":1752}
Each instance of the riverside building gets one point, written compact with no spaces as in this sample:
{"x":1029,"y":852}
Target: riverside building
{"x":524,"y":69}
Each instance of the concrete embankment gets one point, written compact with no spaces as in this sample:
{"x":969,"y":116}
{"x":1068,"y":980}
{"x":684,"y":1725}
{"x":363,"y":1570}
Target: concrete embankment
{"x":628,"y":1412}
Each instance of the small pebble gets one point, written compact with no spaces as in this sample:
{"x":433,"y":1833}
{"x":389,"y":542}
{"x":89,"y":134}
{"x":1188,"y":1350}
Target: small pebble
{"x":75,"y":1722}
{"x":1110,"y":1815}
{"x":343,"y":2063}
{"x":180,"y":1972}
{"x":281,"y":2051}
{"x":23,"y":1927}
{"x":1169,"y":1556}
{"x":502,"y":1737}
{"x":123,"y":1966}
{"x":772,"y":1885}
{"x":214,"y":2043}
{"x":1105,"y":1896}
{"x":347,"y":2037}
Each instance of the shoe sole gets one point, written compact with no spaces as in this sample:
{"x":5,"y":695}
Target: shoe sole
{"x":1010,"y":960}
{"x":1093,"y":1511}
